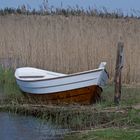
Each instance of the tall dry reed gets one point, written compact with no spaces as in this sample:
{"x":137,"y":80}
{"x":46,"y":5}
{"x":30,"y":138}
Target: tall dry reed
{"x":70,"y":44}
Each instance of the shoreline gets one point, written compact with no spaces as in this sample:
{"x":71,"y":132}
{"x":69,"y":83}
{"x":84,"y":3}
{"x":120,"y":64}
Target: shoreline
{"x":74,"y":117}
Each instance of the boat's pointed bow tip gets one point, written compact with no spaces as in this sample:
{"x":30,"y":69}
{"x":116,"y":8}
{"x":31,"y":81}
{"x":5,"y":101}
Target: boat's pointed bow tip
{"x":102,"y":64}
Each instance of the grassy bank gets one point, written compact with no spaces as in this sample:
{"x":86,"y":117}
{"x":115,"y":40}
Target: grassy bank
{"x":102,"y":115}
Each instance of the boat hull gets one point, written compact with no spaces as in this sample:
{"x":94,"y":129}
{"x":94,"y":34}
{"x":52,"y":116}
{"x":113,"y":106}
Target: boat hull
{"x":86,"y":95}
{"x":54,"y":88}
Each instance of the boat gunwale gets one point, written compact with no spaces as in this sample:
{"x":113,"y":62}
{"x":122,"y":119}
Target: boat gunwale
{"x":60,"y":77}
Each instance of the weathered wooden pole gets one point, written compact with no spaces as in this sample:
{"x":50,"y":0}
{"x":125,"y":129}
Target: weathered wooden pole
{"x":118,"y":70}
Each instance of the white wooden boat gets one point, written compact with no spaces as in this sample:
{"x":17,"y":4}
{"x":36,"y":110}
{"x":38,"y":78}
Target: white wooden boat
{"x":51,"y":87}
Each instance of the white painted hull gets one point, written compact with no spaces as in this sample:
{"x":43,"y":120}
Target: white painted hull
{"x":43,"y":83}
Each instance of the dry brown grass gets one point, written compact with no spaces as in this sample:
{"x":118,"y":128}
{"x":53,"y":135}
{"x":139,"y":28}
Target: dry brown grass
{"x":70,"y":44}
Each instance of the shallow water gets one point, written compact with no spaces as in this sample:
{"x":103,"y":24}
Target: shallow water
{"x":15,"y":127}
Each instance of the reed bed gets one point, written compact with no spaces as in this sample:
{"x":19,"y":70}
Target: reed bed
{"x":70,"y":44}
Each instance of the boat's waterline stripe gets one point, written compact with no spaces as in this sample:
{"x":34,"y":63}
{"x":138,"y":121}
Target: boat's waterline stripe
{"x":60,"y":85}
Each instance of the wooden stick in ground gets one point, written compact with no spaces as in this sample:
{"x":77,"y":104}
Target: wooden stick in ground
{"x":118,"y":70}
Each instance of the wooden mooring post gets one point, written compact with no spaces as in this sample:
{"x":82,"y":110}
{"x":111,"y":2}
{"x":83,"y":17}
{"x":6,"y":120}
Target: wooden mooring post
{"x":118,"y":72}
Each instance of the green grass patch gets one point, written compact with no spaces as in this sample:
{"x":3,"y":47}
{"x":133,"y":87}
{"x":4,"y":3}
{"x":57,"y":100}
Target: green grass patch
{"x":9,"y":91}
{"x":106,"y":134}
{"x":130,"y":96}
